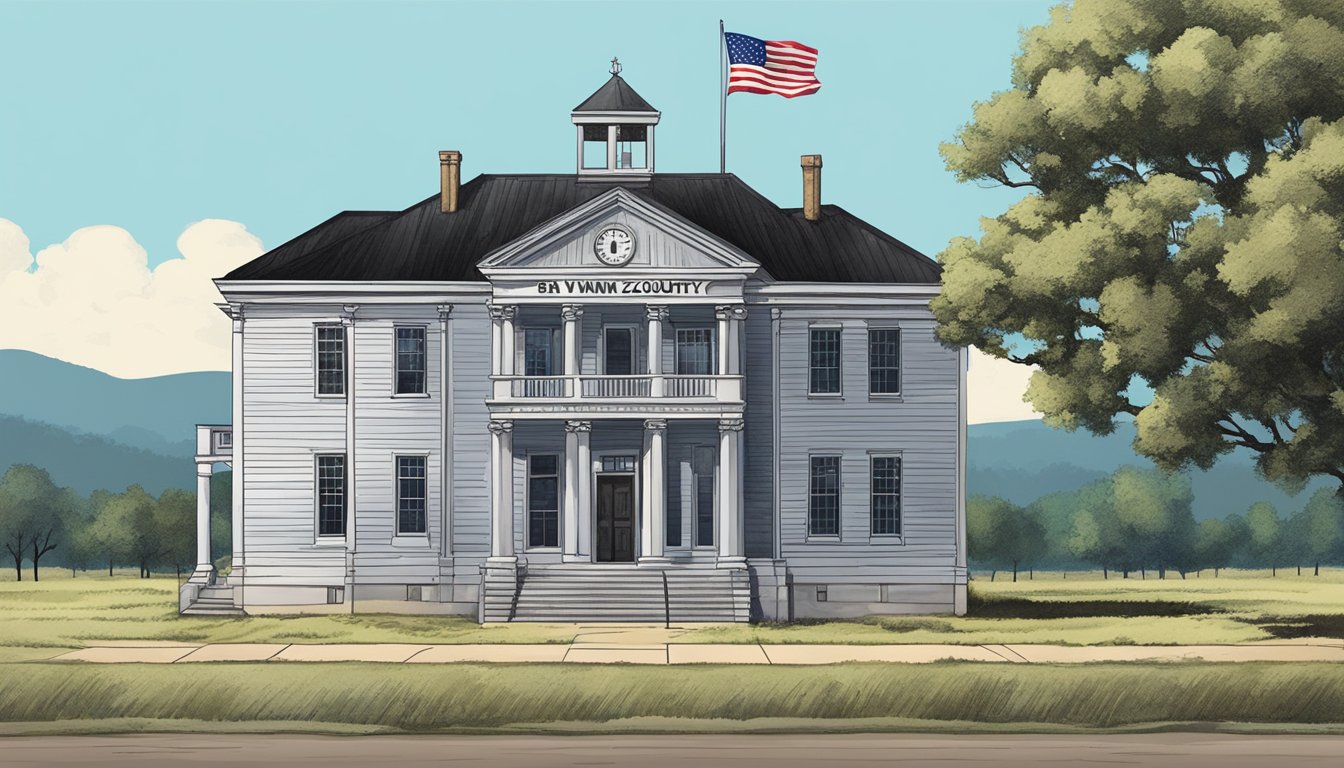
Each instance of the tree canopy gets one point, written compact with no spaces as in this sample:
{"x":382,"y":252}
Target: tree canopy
{"x":1178,"y":257}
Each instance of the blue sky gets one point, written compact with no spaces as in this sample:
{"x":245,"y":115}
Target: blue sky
{"x":151,"y":116}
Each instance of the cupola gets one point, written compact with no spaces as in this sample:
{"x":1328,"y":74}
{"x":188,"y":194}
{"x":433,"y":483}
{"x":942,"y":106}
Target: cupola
{"x":615,"y":131}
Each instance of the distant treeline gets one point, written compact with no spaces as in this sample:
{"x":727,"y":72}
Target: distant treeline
{"x":1140,"y":520}
{"x":44,"y":524}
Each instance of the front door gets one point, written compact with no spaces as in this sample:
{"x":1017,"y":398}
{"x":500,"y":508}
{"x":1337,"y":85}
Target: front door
{"x":615,"y":518}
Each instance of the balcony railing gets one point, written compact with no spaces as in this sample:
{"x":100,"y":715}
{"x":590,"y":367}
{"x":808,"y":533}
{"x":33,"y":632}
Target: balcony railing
{"x":646,"y":386}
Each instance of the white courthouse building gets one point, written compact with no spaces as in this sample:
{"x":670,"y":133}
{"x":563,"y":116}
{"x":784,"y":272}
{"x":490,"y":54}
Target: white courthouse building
{"x":612,"y":394}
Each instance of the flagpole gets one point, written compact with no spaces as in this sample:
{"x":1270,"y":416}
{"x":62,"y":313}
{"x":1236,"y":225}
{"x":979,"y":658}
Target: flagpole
{"x":723,"y":100}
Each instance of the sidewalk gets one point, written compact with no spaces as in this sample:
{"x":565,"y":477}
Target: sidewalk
{"x":654,"y":645}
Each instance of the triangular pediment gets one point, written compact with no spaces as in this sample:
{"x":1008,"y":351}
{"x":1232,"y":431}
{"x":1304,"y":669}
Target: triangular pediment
{"x":663,"y":240}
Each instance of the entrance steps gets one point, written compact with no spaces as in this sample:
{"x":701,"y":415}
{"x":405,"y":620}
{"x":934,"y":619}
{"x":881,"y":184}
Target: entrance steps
{"x":214,"y":600}
{"x":628,"y":593}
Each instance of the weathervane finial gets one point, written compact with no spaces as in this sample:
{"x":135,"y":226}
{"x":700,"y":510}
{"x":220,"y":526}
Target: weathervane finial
{"x":615,"y":66}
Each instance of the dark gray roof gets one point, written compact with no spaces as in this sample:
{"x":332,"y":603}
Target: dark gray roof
{"x":615,"y":96}
{"x":423,"y":244}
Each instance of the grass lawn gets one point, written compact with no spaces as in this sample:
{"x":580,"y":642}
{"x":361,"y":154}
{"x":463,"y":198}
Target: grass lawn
{"x":552,"y":697}
{"x":1082,"y":609}
{"x":64,"y":612}
{"x":1085,"y":609}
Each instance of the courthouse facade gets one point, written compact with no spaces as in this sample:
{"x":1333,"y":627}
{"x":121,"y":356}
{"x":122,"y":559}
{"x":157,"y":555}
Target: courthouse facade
{"x":612,"y":394}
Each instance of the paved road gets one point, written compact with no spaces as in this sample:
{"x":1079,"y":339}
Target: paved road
{"x":1180,"y":750}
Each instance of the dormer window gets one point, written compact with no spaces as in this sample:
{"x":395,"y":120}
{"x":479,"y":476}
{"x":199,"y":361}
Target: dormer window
{"x":615,"y":127}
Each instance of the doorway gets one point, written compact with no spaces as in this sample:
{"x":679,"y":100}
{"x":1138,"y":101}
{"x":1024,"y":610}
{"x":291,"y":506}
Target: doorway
{"x":615,"y":519}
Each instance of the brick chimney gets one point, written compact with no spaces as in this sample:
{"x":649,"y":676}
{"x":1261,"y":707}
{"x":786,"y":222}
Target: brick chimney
{"x":450,"y":179}
{"x":812,"y":187}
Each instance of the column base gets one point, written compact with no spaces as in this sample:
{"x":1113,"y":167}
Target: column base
{"x":736,"y":561}
{"x":503,"y":561}
{"x":659,"y":561}
{"x":203,"y":575}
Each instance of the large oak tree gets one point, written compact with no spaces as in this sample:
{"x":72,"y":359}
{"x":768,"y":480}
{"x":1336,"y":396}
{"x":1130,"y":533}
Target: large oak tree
{"x":1177,"y":256}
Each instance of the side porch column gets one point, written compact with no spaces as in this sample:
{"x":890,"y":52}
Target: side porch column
{"x":656,"y":315}
{"x":501,"y":491}
{"x":731,"y":550}
{"x":578,"y":478}
{"x":205,"y":567}
{"x":653,"y":528}
{"x":571,"y":314}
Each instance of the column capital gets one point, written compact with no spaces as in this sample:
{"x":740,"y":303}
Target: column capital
{"x":578,"y":426}
{"x":204,"y":469}
{"x":571,"y":311}
{"x":655,"y":425}
{"x":655,"y":311}
{"x":500,"y":426}
{"x":730,"y":312}
{"x":445,"y":311}
{"x":348,"y":314}
{"x":731,"y":425}
{"x":503,"y":311}
{"x":235,"y":313}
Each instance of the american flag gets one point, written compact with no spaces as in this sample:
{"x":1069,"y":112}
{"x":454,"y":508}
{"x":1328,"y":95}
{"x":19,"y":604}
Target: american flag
{"x":770,"y":66}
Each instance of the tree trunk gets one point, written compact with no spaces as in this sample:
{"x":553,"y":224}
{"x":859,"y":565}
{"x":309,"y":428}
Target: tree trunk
{"x":992,"y":574}
{"x":1318,"y":568}
{"x":1014,"y":571}
{"x":1105,"y":573}
{"x":1031,"y":574}
{"x":1299,"y":570}
{"x":1274,"y":571}
{"x":18,"y":568}
{"x":1182,"y":575}
{"x":1215,"y":572}
{"x":109,"y":568}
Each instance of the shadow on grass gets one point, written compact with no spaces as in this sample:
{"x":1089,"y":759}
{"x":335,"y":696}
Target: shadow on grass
{"x":1023,"y":608}
{"x":1294,"y":627}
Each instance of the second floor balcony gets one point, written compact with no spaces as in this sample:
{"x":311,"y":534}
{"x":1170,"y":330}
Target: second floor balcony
{"x":694,"y":388}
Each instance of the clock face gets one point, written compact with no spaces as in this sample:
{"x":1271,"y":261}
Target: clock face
{"x":614,"y":245}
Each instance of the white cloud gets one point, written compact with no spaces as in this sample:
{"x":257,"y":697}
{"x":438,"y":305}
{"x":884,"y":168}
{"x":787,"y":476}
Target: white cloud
{"x":93,"y":300}
{"x":995,"y":388}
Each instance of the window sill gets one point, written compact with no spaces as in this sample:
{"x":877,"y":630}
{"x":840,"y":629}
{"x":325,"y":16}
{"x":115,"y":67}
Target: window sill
{"x":411,"y":540}
{"x":825,"y":396}
{"x":813,"y":539}
{"x":542,"y":550}
{"x":329,"y":397}
{"x":330,"y":542}
{"x":410,"y":396}
{"x":887,"y":539}
{"x":894,"y":397}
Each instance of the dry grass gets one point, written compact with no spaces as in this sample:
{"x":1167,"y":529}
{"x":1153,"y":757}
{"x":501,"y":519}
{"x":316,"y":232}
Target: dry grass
{"x":477,"y":697}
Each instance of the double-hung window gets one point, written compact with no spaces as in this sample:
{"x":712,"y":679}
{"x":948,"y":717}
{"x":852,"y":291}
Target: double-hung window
{"x":331,"y":495}
{"x":329,"y":351}
{"x":411,"y":518}
{"x":884,"y":361}
{"x":823,"y":500}
{"x":538,"y":352}
{"x":823,"y":352}
{"x":410,"y":360}
{"x":695,"y":351}
{"x":543,"y":500}
{"x":885,"y":505}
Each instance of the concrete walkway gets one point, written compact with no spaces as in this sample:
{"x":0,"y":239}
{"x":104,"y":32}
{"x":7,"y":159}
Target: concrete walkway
{"x":656,"y":645}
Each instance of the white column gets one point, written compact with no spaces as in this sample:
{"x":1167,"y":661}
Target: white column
{"x":571,"y":314}
{"x":205,"y":568}
{"x":585,"y":509}
{"x":722,"y":313}
{"x":653,"y":533}
{"x":656,"y":314}
{"x":577,"y":474}
{"x":501,"y":491}
{"x":348,"y":320}
{"x":731,"y":550}
{"x":502,"y":341}
{"x":237,"y":567}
